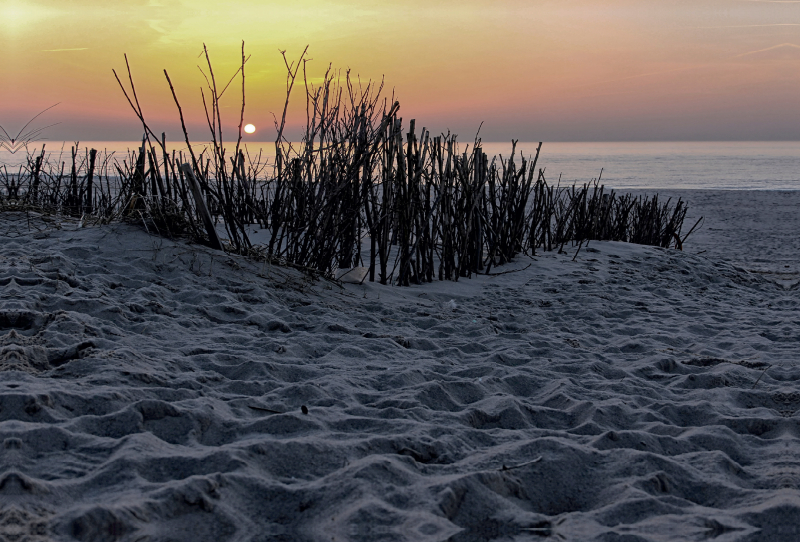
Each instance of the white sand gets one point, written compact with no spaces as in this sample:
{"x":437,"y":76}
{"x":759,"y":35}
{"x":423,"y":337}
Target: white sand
{"x":152,"y":390}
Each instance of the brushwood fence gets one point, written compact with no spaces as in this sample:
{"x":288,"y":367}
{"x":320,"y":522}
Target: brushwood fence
{"x":361,"y":189}
{"x":407,"y":206}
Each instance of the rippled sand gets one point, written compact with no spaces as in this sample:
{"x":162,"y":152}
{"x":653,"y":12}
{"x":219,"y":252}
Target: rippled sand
{"x":155,"y":390}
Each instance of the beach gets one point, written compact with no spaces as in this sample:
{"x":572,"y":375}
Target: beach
{"x":153,"y":389}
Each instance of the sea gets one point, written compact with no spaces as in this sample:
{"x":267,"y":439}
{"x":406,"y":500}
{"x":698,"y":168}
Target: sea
{"x":720,"y":165}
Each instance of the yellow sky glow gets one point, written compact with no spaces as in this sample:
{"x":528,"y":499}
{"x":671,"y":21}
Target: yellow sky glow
{"x":534,"y":69}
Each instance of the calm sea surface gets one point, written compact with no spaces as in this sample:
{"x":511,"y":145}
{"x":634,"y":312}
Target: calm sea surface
{"x":661,"y":165}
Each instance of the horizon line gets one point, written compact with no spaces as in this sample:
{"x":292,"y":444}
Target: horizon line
{"x":504,"y":141}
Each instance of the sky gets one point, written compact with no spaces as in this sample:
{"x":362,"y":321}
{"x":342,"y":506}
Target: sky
{"x":536,"y":70}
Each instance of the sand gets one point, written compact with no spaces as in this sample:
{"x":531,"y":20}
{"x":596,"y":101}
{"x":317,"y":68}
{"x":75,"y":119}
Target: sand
{"x":155,"y":390}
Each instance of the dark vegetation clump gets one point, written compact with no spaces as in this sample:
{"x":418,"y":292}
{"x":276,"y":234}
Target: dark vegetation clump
{"x":359,"y":189}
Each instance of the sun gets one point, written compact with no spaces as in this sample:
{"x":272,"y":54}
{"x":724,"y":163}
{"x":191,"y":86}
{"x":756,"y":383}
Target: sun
{"x":250,"y":129}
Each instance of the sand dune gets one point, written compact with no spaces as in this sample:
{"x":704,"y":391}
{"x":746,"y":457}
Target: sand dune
{"x":155,"y":390}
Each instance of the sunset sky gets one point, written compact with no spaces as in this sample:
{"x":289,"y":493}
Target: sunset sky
{"x":561,"y":70}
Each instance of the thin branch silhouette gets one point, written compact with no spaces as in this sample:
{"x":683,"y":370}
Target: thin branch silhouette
{"x":21,"y":140}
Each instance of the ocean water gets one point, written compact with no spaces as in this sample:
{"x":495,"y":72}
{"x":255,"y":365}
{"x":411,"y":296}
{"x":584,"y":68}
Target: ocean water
{"x":634,"y":165}
{"x":670,"y":165}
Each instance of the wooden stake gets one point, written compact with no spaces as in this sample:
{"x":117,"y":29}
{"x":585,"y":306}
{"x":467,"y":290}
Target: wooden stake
{"x":213,"y":238}
{"x":87,"y":206}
